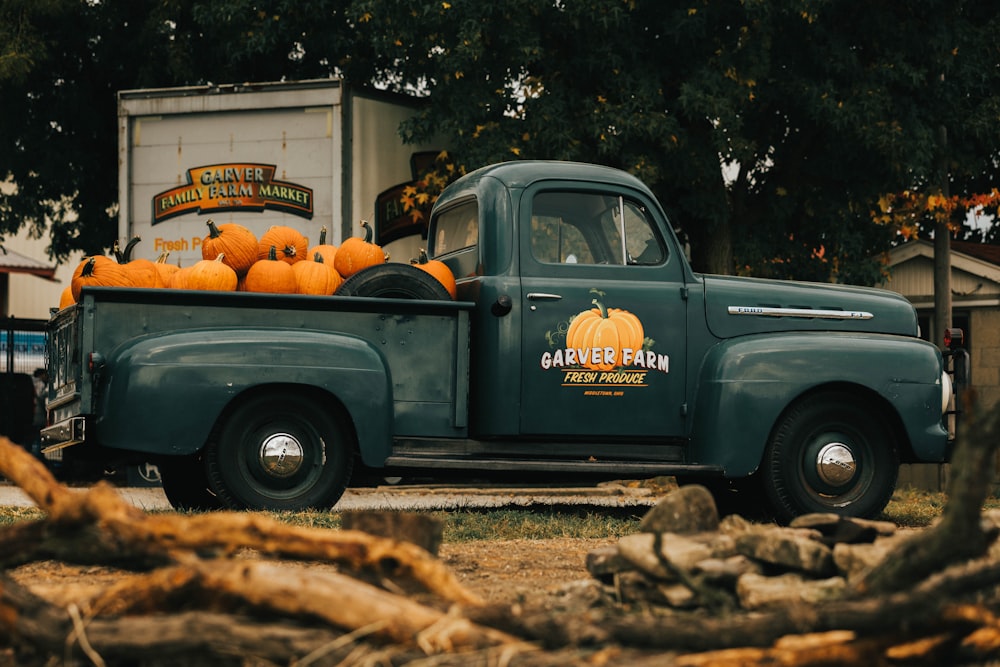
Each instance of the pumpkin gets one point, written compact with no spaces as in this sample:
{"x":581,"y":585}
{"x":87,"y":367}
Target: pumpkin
{"x":437,"y":269}
{"x":271,"y":275}
{"x":600,"y":328}
{"x":289,"y":244}
{"x":66,"y":297}
{"x":236,"y":242}
{"x":165,"y":271}
{"x":98,"y":270}
{"x":142,"y":271}
{"x":178,"y":280}
{"x":328,"y":251}
{"x":315,"y":276}
{"x":212,"y":274}
{"x":355,"y":254}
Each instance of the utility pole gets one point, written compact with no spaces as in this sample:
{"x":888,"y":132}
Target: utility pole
{"x":942,"y":248}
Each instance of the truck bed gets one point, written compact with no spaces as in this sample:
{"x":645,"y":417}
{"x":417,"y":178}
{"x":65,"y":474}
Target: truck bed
{"x":424,"y":344}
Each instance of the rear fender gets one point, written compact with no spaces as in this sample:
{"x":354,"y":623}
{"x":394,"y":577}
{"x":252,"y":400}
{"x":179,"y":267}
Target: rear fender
{"x":746,"y":383}
{"x":163,"y":394}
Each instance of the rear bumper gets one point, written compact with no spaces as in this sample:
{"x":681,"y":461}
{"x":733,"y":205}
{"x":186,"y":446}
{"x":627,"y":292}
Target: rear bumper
{"x":66,"y":433}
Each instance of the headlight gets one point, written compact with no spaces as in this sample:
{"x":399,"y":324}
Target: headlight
{"x":946,"y":391}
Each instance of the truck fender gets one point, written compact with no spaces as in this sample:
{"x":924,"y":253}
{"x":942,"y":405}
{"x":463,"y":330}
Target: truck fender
{"x":159,"y":390}
{"x":745,"y":384}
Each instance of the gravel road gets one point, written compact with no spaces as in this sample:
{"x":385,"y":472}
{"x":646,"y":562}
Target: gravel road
{"x":423,"y":497}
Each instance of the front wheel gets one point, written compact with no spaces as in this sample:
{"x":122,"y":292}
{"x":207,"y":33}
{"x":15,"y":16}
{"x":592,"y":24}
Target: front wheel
{"x":185,"y":483}
{"x":281,"y":452}
{"x":830,"y":453}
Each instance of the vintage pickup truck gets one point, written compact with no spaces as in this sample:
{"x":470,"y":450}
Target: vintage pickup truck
{"x":581,"y":344}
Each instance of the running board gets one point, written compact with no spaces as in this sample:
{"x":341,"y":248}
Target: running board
{"x":645,"y":468}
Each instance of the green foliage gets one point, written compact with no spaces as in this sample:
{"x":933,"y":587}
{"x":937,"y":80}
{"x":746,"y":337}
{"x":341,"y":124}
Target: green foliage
{"x":817,"y":106}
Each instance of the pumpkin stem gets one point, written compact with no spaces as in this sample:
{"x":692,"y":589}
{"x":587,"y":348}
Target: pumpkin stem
{"x":368,"y":231}
{"x":602,"y":308}
{"x":213,"y":231}
{"x":127,"y":253}
{"x":322,"y":235}
{"x":272,"y":254}
{"x":88,"y":268}
{"x":117,"y":251}
{"x":422,"y":257}
{"x":220,"y":256}
{"x":317,"y":257}
{"x":162,"y":259}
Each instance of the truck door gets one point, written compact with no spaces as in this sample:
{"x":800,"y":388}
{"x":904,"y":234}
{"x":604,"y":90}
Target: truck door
{"x":604,"y":319}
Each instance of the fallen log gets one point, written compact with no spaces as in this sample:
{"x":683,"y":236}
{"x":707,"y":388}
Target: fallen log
{"x":98,"y":526}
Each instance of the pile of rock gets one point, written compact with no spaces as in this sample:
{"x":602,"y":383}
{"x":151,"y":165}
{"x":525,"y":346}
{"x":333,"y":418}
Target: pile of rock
{"x":686,"y":557}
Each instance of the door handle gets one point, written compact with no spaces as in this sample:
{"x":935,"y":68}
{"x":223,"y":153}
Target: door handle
{"x":543,"y":296}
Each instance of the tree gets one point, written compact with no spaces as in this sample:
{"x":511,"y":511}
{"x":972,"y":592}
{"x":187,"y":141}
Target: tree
{"x":817,"y":106}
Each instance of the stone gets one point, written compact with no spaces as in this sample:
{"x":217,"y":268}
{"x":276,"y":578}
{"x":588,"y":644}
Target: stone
{"x":788,"y":548}
{"x":605,"y":562}
{"x":418,"y":528}
{"x":725,"y":572}
{"x":689,"y":509}
{"x":682,"y":552}
{"x":854,"y":560}
{"x":836,"y":529}
{"x":758,"y":592}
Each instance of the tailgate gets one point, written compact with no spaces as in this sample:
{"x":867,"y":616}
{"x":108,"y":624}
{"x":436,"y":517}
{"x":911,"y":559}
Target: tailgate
{"x":65,"y":365}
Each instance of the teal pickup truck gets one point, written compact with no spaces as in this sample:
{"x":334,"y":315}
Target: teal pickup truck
{"x":581,"y":344}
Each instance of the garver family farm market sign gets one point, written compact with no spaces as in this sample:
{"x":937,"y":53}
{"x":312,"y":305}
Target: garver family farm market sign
{"x":233,"y":186}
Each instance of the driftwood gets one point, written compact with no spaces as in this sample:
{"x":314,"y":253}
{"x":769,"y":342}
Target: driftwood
{"x":959,"y":535}
{"x":194,"y":568}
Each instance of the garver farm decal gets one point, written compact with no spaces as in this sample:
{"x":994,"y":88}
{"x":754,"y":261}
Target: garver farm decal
{"x":606,"y":350}
{"x":235,"y":186}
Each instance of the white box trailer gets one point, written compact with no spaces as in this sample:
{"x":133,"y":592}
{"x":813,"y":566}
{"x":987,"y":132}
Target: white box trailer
{"x":305,"y":154}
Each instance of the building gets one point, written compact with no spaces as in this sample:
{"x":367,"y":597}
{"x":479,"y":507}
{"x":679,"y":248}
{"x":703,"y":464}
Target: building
{"x":975,"y":286}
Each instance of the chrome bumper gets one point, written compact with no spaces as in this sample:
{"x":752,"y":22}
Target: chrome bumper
{"x":64,"y":434}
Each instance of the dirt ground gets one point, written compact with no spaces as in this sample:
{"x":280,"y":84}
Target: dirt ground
{"x":510,"y":571}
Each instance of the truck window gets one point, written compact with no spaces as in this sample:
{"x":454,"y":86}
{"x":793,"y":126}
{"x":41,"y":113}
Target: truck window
{"x":457,"y":229}
{"x":581,"y":228}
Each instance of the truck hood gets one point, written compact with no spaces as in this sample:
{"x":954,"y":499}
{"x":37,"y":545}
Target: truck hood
{"x":740,"y":306}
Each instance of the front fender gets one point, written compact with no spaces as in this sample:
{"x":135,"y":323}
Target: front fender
{"x":162,"y":394}
{"x":746,"y":383}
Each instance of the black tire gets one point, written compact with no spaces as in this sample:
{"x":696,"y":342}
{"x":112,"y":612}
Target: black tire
{"x":396,"y":281}
{"x":281,"y":452}
{"x":185,"y":483}
{"x":830,"y":453}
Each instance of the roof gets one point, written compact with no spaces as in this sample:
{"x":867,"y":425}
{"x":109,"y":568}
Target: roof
{"x":12,"y":261}
{"x":984,"y":251}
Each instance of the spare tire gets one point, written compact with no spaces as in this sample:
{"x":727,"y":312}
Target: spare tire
{"x":394,"y":281}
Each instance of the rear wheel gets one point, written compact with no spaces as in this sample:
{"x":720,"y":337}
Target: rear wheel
{"x":830,"y":453}
{"x":279,"y":452}
{"x":185,"y":483}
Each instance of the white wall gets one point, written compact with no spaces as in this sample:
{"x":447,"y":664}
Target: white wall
{"x":30,"y":297}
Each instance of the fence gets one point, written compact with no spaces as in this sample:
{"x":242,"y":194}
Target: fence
{"x":22,"y":350}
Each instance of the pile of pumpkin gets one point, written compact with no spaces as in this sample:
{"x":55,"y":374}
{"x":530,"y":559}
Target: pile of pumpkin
{"x":234,"y":259}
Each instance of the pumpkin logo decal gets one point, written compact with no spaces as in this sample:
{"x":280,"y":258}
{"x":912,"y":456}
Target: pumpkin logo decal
{"x":603,"y":349}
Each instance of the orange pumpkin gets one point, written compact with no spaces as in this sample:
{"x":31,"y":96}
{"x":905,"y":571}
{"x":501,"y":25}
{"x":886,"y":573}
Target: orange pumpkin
{"x":236,"y":242}
{"x":437,"y":269}
{"x":328,"y":251}
{"x":600,"y":328}
{"x":315,"y":276}
{"x":178,"y":279}
{"x":355,"y":254}
{"x":66,"y":297}
{"x":142,"y":271}
{"x":289,"y":244}
{"x":165,"y":271}
{"x":271,"y":275}
{"x":98,"y":270}
{"x":213,"y":275}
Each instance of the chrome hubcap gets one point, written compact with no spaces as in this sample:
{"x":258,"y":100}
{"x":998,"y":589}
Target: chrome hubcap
{"x":281,"y":455}
{"x":836,"y":464}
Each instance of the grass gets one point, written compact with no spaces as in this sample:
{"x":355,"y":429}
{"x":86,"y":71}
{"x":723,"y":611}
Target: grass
{"x":909,"y":507}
